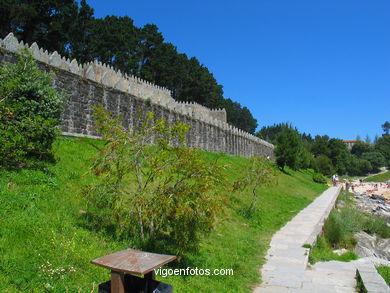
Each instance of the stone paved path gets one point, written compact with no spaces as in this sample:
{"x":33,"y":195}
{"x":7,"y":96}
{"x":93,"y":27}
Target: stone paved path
{"x":287,"y":270}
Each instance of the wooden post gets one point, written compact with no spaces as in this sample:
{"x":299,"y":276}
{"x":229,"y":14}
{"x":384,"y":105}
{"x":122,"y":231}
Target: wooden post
{"x":117,"y":282}
{"x":150,"y":276}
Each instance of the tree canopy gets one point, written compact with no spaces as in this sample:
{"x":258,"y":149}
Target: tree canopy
{"x":70,"y":28}
{"x":288,"y":148}
{"x":324,"y":154}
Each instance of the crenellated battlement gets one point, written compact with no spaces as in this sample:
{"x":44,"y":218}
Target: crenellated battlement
{"x":107,"y":76}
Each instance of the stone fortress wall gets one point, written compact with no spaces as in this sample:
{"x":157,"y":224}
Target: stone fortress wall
{"x":95,"y":83}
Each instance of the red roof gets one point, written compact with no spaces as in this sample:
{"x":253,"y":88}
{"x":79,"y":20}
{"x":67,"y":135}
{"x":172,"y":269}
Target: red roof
{"x":350,"y":140}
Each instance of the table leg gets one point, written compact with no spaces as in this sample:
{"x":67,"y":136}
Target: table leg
{"x":117,"y":282}
{"x":150,"y":276}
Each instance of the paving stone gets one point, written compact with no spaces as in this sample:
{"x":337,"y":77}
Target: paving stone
{"x":287,"y":260}
{"x":287,"y":282}
{"x":370,"y":277}
{"x":271,"y":289}
{"x":335,"y":280}
{"x":275,"y":264}
{"x":285,"y":270}
{"x":296,"y":253}
{"x":334,"y":266}
{"x":376,"y":288}
{"x":344,"y":289}
{"x":316,"y":288}
{"x":331,"y":274}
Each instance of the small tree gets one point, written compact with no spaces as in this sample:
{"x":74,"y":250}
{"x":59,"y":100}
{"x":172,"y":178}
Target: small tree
{"x":152,"y":188}
{"x":29,"y":112}
{"x":257,"y":174}
{"x":288,"y":149}
{"x":376,"y":160}
{"x":358,"y":166}
{"x":305,"y":159}
{"x":359,"y":148}
{"x":386,"y":127}
{"x":383,"y":146}
{"x":324,"y":165}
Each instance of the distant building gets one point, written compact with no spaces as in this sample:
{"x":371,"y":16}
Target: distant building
{"x":350,"y":143}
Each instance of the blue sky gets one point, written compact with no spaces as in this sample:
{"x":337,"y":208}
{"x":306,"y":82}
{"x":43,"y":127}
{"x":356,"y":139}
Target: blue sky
{"x":324,"y":66}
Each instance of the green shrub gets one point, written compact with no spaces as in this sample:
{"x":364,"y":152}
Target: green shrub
{"x":383,"y":146}
{"x":151,"y":188}
{"x":29,"y":112}
{"x":258,"y":173}
{"x":324,"y":165}
{"x":288,"y":148}
{"x":319,"y":178}
{"x":339,"y":231}
{"x":322,"y":251}
{"x":358,"y":166}
{"x":376,"y":160}
{"x":332,"y":230}
{"x":374,"y":225}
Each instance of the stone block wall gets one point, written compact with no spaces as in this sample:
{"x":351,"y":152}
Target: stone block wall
{"x":95,"y":83}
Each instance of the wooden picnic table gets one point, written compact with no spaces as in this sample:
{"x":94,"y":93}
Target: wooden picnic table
{"x":131,"y":261}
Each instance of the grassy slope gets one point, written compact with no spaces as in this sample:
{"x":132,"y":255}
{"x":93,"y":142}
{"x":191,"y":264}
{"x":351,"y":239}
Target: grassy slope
{"x":44,"y":243}
{"x":384,"y":271}
{"x":379,"y":178}
{"x":347,"y":221}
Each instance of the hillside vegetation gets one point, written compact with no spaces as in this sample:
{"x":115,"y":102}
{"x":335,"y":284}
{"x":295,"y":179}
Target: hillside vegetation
{"x":379,"y":177}
{"x":46,"y":242}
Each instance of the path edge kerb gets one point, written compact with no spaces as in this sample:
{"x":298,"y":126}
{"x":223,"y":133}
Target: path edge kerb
{"x":312,"y":239}
{"x":287,"y":259}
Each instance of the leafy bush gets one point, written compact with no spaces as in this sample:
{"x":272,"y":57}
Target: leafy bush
{"x":332,"y":231}
{"x":258,"y":173}
{"x":383,"y":146}
{"x":319,"y":178}
{"x":161,"y":195}
{"x":376,"y":160}
{"x":341,"y":226}
{"x":29,"y":112}
{"x":377,"y":226}
{"x":358,"y":166}
{"x":322,"y":251}
{"x":288,"y":149}
{"x":324,"y":165}
{"x":360,"y":147}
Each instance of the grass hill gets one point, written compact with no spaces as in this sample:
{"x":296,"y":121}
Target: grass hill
{"x":382,"y":177}
{"x":46,"y":244}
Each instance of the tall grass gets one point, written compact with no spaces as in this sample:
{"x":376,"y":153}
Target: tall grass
{"x":339,"y":230}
